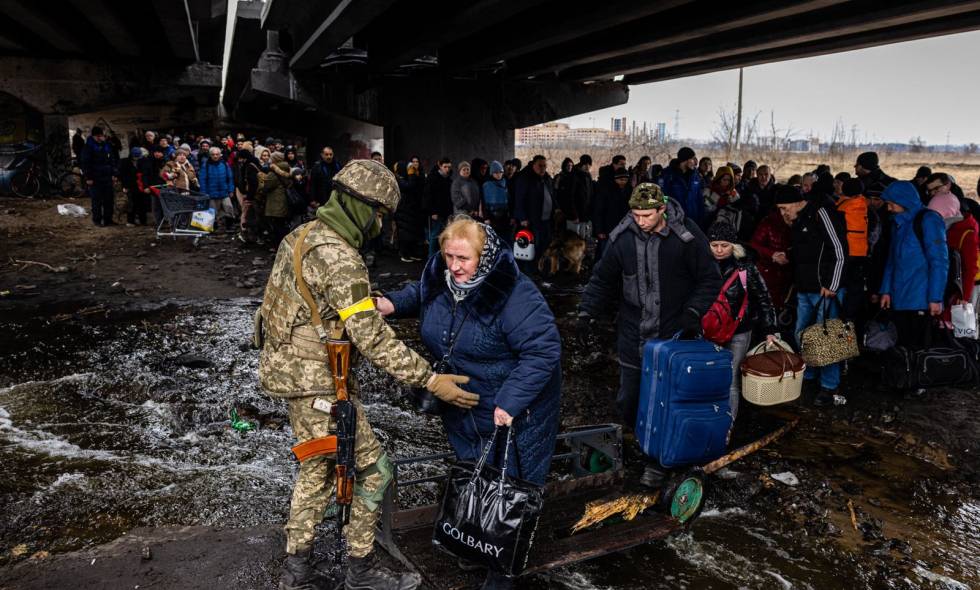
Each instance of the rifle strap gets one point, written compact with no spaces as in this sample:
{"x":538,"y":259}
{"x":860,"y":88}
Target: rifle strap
{"x":316,"y":447}
{"x":299,"y":251}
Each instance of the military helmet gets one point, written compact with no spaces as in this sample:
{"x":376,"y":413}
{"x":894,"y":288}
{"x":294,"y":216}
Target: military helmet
{"x":647,"y":196}
{"x":370,"y":182}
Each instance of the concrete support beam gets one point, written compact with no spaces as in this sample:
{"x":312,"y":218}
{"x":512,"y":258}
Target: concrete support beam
{"x":671,"y":27}
{"x":75,"y":86}
{"x":109,"y":25}
{"x":531,"y":102}
{"x":852,"y":18}
{"x":433,"y":118}
{"x":179,"y":28}
{"x":920,"y":30}
{"x":544,"y":26}
{"x":346,"y":19}
{"x":247,"y":43}
{"x":31,"y":16}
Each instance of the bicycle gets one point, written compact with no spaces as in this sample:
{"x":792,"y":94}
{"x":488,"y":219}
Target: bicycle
{"x":27,"y":183}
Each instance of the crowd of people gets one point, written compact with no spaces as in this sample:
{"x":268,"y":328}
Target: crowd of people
{"x":670,"y":242}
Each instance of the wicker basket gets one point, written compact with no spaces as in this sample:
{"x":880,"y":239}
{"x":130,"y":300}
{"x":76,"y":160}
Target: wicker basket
{"x":772,"y":374}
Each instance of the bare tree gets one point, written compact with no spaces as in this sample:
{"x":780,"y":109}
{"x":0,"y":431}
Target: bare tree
{"x":917,"y":145}
{"x":838,"y":145}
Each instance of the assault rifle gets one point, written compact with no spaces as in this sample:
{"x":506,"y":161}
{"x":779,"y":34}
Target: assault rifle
{"x":345,"y":416}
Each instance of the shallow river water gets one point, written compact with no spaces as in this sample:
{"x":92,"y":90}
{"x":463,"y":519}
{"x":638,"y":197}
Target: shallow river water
{"x":113,"y":424}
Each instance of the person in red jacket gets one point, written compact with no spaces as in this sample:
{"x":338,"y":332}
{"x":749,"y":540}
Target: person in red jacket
{"x":962,"y":237}
{"x":771,"y":241}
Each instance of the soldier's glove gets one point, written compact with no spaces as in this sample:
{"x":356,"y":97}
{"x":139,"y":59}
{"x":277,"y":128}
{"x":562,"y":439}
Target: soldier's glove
{"x":444,"y":386}
{"x":583,"y":328}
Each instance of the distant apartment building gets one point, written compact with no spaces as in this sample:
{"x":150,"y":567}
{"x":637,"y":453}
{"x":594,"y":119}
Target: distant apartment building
{"x":617,"y":124}
{"x":661,"y":133}
{"x":560,"y":134}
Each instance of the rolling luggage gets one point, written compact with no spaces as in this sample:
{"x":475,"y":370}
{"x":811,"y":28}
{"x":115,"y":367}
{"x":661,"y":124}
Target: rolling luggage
{"x":684,"y":416}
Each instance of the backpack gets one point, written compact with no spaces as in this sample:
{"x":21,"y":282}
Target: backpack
{"x":720,"y":322}
{"x":855,"y":212}
{"x":954,"y":275}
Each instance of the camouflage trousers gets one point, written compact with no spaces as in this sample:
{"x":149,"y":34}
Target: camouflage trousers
{"x":314,"y":489}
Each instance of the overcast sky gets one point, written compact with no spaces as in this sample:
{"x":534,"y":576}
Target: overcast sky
{"x":924,"y":88}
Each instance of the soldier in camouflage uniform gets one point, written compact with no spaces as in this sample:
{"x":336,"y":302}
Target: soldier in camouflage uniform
{"x":294,"y":365}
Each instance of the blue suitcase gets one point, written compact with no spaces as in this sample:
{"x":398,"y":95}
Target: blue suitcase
{"x":684,"y":416}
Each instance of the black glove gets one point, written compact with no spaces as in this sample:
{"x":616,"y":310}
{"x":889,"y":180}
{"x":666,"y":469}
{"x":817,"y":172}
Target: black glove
{"x":583,"y":328}
{"x":690,"y":324}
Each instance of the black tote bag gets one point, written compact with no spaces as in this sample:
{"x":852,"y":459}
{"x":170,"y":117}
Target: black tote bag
{"x":488,"y":517}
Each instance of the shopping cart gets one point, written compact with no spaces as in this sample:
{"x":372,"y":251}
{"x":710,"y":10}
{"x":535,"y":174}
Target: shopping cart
{"x":178,"y":208}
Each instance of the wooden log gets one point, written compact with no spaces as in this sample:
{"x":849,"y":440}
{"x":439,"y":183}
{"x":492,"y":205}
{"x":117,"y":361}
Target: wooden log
{"x":750,"y":448}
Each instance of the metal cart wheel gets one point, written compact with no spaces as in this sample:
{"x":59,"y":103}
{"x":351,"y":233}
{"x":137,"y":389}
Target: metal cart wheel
{"x":683,"y":496}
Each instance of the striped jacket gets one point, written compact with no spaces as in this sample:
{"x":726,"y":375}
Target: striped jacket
{"x":819,"y":250}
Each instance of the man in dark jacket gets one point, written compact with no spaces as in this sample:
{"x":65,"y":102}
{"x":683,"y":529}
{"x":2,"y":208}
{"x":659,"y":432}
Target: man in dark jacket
{"x":583,"y":189}
{"x":667,"y":294}
{"x":819,"y":254}
{"x":682,"y":182}
{"x":148,"y":176}
{"x":321,"y":175}
{"x":609,"y":207}
{"x":437,"y":200}
{"x":874,"y":179}
{"x":606,"y":172}
{"x":535,"y":202}
{"x":99,"y":166}
{"x":760,"y":189}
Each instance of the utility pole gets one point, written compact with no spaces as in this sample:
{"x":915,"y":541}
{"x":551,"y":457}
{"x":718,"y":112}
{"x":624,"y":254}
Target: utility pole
{"x":738,"y":117}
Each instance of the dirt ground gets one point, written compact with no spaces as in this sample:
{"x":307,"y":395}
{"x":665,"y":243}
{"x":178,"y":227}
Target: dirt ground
{"x":50,"y":260}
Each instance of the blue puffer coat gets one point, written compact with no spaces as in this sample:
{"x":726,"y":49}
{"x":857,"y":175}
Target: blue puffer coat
{"x":216,"y":178}
{"x":915,"y":273}
{"x":509,"y":347}
{"x":686,"y":190}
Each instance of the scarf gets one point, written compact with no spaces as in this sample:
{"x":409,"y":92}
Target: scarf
{"x":335,"y":214}
{"x":488,"y":257}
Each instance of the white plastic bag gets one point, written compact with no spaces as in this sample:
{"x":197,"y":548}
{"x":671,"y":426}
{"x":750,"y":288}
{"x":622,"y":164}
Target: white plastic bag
{"x":203,"y":220}
{"x":964,"y":318}
{"x":72,"y":210}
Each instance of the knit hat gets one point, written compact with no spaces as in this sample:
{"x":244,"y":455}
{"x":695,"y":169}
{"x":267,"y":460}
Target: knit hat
{"x":185,"y":148}
{"x":725,"y":170}
{"x":647,"y":195}
{"x":277,"y":157}
{"x":786,"y":194}
{"x":297,"y":171}
{"x":97,"y":131}
{"x":868,"y":161}
{"x":495,"y":167}
{"x":462,"y":165}
{"x":853,"y":187}
{"x":204,"y":141}
{"x":722,"y":231}
{"x":842,"y":176}
{"x":923,"y":172}
{"x":685,"y":153}
{"x":621,"y":173}
{"x":751,"y":164}
{"x":136,"y":153}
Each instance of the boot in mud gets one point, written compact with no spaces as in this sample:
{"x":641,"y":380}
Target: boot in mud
{"x":652,"y":477}
{"x":497,"y":581}
{"x":299,"y":574}
{"x":366,"y":573}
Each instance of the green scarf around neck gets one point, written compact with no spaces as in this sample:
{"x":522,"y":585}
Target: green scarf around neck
{"x":349,"y":226}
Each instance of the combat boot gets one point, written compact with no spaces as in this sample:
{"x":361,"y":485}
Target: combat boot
{"x":366,"y":573}
{"x":299,"y":574}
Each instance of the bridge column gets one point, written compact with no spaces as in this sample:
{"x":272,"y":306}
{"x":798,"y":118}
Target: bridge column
{"x":57,"y":149}
{"x":435,"y":118}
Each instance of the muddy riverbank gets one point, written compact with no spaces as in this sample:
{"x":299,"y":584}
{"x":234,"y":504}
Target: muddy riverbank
{"x":114,"y":410}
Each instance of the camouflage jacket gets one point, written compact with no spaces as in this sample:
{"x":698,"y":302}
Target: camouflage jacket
{"x":293,"y":362}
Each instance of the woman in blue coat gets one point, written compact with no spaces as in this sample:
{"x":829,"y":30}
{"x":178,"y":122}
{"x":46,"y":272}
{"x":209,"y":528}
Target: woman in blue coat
{"x":506,"y":341}
{"x":918,"y":261}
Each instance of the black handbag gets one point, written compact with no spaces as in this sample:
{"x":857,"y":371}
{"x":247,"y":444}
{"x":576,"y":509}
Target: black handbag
{"x":488,"y":517}
{"x":424,"y":400}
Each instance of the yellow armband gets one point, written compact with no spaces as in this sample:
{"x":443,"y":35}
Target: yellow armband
{"x":366,"y":304}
